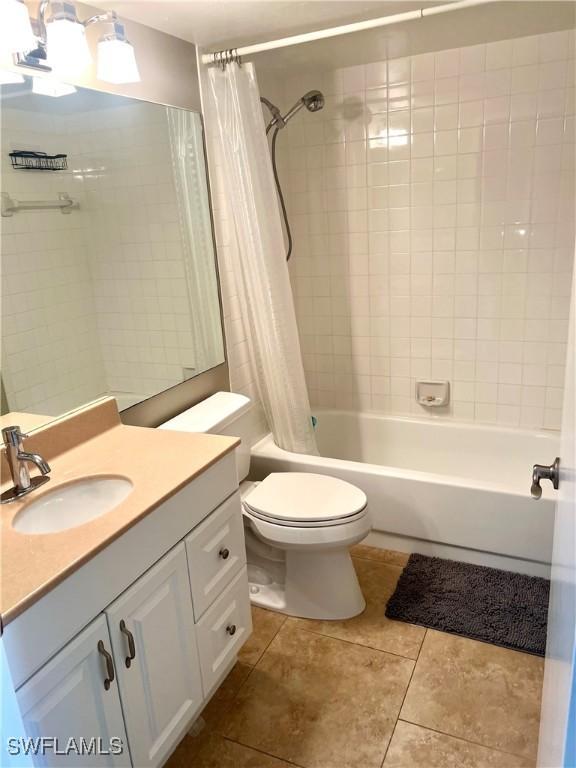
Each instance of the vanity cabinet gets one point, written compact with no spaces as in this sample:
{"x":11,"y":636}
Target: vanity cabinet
{"x":153,"y":640}
{"x":172,"y":611}
{"x":68,"y":699}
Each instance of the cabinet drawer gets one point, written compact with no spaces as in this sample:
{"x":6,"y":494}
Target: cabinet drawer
{"x":216,"y":552}
{"x":223,"y":630}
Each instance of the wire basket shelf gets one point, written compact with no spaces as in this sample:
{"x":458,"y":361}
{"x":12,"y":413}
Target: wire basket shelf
{"x":23,"y":160}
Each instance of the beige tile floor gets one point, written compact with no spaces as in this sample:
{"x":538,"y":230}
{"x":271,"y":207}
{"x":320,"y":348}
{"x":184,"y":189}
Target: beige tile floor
{"x":369,"y":693}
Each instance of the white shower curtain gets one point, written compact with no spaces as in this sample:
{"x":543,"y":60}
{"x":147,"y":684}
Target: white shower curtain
{"x":261,"y":272}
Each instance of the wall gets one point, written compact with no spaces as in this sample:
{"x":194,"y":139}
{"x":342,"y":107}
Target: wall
{"x":432,"y":204}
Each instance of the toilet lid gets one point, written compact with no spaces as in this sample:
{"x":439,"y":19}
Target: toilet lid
{"x":305,"y":497}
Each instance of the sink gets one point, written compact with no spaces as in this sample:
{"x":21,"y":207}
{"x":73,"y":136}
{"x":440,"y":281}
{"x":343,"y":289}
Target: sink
{"x":72,"y":504}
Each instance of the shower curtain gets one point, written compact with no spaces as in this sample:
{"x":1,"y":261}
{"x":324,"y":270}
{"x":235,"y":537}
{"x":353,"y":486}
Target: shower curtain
{"x":187,"y":150}
{"x":261,"y":272}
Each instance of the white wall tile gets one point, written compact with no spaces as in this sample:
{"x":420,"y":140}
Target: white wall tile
{"x":467,"y":174}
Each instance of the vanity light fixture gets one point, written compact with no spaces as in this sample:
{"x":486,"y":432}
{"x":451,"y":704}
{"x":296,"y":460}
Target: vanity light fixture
{"x":66,"y":42}
{"x":16,"y":32}
{"x":116,"y":57}
{"x":57,"y":41}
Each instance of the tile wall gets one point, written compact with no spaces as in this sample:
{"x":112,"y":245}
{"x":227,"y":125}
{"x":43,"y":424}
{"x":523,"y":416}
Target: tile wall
{"x":432,"y":207}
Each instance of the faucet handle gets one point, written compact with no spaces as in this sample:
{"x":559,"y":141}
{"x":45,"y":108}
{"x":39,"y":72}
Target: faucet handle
{"x":13,"y":435}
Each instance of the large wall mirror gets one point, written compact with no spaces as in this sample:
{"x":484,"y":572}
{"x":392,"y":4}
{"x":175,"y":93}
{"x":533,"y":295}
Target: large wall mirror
{"x":109,"y":280}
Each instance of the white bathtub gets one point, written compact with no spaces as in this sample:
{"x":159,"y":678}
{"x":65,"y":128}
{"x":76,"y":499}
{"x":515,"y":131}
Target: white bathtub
{"x":446,"y":489}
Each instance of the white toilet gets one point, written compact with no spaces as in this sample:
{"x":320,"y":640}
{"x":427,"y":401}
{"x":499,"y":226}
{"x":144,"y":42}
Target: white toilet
{"x":298,"y":525}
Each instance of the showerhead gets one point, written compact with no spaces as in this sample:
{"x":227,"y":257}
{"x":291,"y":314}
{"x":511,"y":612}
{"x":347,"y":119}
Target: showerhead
{"x":313,"y":101}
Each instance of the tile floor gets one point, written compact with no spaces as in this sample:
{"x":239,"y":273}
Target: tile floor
{"x":369,"y":693}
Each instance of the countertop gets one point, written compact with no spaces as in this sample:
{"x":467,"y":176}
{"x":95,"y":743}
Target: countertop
{"x":158,"y":462}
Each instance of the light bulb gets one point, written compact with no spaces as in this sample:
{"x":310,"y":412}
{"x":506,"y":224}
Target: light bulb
{"x":16,"y":33}
{"x":68,"y":51}
{"x":45,"y":86}
{"x":116,"y":58}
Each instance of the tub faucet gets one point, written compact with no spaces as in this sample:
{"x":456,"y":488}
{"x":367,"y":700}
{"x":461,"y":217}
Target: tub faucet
{"x":18,"y":459}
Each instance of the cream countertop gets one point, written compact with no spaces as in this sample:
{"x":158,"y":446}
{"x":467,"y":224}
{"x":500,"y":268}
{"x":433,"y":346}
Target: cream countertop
{"x":158,"y":462}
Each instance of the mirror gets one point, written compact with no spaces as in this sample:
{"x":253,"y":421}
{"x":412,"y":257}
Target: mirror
{"x":109,"y":280}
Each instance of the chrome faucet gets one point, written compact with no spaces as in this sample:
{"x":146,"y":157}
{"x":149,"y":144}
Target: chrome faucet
{"x":18,"y":459}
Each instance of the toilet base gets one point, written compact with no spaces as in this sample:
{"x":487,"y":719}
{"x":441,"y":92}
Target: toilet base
{"x":310,"y":585}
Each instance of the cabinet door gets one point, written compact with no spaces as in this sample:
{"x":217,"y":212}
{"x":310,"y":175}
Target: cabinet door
{"x":68,"y":700}
{"x":153,"y":637}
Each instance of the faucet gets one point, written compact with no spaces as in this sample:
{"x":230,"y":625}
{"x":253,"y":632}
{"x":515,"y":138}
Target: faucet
{"x":17,"y":461}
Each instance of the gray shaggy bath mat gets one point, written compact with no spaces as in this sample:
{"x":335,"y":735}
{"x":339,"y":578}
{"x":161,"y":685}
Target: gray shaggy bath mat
{"x":498,"y":607}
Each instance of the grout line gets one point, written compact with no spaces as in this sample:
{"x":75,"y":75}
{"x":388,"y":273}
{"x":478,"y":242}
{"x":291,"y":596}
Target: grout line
{"x":388,"y":745}
{"x":467,"y":741}
{"x":379,"y":562}
{"x":262,"y":752}
{"x":399,"y":711}
{"x":423,"y":641}
{"x":358,"y":645}
{"x":269,"y":642}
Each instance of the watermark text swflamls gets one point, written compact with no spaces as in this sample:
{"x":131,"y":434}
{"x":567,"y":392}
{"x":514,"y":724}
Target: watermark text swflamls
{"x":52,"y":745}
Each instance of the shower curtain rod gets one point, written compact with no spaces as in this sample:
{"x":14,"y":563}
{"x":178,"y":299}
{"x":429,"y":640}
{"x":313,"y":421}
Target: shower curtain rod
{"x":321,"y":34}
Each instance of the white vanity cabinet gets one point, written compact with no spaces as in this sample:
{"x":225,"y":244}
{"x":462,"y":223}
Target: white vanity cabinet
{"x":153,"y":639}
{"x":75,"y":696}
{"x":172,"y":609}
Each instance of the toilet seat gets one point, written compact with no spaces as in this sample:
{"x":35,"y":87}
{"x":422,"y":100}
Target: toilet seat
{"x":305,"y":500}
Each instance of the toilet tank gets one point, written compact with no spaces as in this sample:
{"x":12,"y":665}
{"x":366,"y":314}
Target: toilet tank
{"x":224,"y":413}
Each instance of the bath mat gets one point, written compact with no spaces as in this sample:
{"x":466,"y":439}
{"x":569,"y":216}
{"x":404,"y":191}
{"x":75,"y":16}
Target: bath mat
{"x":498,"y":607}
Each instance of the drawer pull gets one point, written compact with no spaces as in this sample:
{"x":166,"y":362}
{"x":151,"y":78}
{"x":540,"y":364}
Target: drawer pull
{"x":109,"y":665}
{"x":131,"y":646}
{"x":224,"y":553}
{"x":231,"y":629}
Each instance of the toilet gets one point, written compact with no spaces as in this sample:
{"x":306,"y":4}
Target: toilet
{"x":298,"y":526}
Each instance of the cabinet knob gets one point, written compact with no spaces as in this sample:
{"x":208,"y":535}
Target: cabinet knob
{"x":131,"y":645}
{"x":109,"y":665}
{"x":231,"y":629}
{"x":224,"y":553}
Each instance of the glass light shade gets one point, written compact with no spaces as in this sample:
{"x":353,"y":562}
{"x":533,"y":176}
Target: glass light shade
{"x":117,"y":62}
{"x":45,"y":86}
{"x":10,"y":78}
{"x":68,"y":52}
{"x":16,"y":33}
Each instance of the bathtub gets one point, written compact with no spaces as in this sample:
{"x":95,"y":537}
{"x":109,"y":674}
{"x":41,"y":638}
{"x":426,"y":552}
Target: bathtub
{"x":448,"y":489}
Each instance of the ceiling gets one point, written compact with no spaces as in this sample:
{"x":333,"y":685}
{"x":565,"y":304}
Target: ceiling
{"x":232,"y":23}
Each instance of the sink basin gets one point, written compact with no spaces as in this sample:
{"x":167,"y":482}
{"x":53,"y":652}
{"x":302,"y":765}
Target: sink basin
{"x":72,"y":504}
